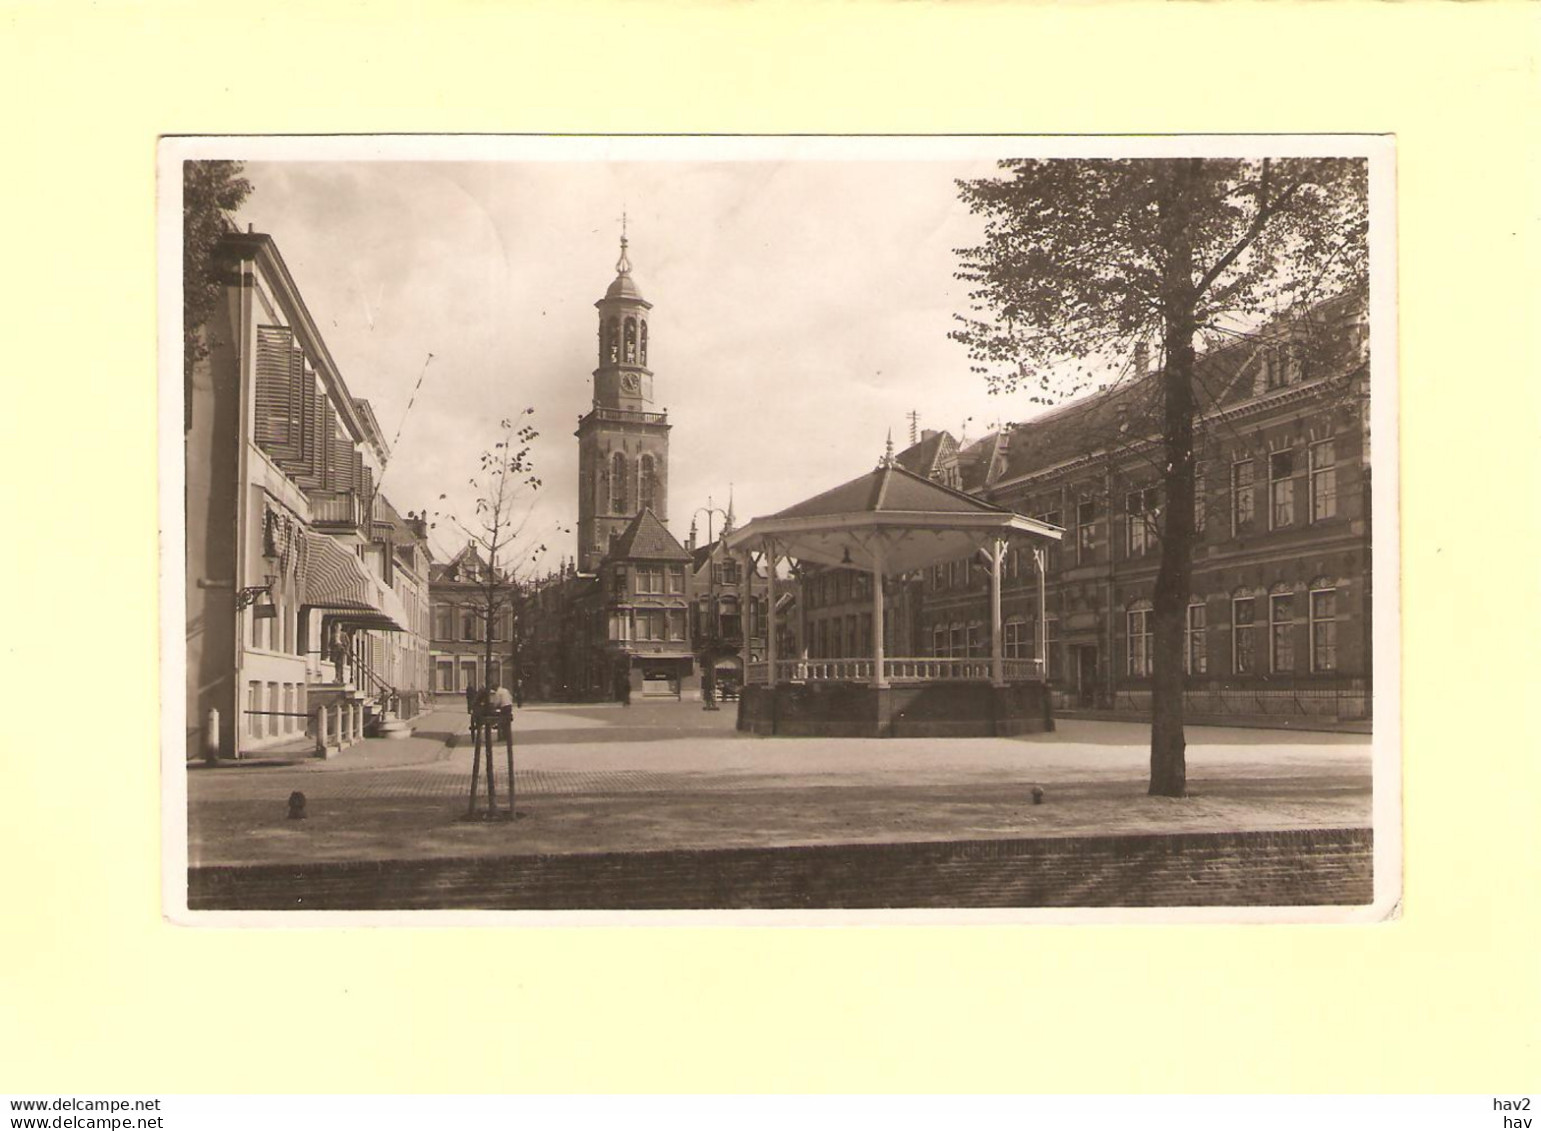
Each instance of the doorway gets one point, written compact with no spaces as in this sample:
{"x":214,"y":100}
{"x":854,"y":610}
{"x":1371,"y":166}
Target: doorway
{"x":1086,"y":675}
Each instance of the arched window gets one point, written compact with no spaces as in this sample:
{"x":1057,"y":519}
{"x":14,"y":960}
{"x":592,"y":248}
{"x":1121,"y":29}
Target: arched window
{"x":612,"y":352}
{"x":648,"y":484}
{"x":644,"y":342}
{"x":631,"y":341}
{"x":618,"y":476}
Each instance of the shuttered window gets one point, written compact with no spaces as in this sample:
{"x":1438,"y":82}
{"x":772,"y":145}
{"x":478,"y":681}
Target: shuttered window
{"x":274,"y":427}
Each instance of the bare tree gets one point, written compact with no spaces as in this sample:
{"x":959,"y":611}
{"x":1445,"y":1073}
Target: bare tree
{"x":505,"y":487}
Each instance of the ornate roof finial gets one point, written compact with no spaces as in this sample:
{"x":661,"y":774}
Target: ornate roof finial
{"x":623,"y":264}
{"x":727,"y":522}
{"x":888,"y":456}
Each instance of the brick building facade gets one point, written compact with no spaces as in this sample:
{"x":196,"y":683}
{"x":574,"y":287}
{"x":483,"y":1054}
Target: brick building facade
{"x":1279,"y":620}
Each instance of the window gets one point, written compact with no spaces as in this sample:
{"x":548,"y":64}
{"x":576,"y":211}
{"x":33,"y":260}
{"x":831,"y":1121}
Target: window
{"x":1241,"y":496}
{"x":275,"y":710}
{"x":1196,"y":648}
{"x":1086,"y":531}
{"x":957,"y":643}
{"x":1138,"y":629}
{"x":1282,"y":366}
{"x":1140,"y":508}
{"x":444,"y":622}
{"x":444,"y":670}
{"x":618,"y":476}
{"x":1324,"y":630}
{"x":1051,"y":646}
{"x":648,"y":484}
{"x":1017,"y":640}
{"x":650,"y":579}
{"x":1243,"y":646}
{"x":976,"y":639}
{"x":612,"y":352}
{"x":1324,"y":481}
{"x":1200,"y":501}
{"x":650,"y":624}
{"x":676,"y":579}
{"x":1281,"y":489}
{"x":939,"y":640}
{"x":644,"y":342}
{"x":470,"y":625}
{"x":631,"y":341}
{"x":676,"y":624}
{"x":864,"y":641}
{"x":1281,"y":632}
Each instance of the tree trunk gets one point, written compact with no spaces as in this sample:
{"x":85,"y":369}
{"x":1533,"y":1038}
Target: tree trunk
{"x":1168,"y":745}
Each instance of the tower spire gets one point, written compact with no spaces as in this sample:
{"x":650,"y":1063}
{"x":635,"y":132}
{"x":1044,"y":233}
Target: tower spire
{"x":623,"y":264}
{"x":888,"y":455}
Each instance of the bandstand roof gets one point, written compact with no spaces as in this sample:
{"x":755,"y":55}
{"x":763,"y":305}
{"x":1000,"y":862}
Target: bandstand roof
{"x":890,"y":513}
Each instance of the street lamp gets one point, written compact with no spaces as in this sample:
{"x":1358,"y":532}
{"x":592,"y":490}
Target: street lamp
{"x":709,"y":644}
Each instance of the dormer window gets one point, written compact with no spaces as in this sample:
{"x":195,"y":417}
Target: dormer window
{"x":1282,"y":366}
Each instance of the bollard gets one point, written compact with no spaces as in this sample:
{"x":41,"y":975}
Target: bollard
{"x":211,"y":736}
{"x":296,"y":806}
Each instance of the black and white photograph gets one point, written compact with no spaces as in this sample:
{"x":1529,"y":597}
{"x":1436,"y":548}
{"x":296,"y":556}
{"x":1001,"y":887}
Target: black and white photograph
{"x":779,"y":529}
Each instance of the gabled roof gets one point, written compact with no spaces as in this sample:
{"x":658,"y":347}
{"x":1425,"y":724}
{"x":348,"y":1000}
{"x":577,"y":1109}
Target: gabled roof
{"x":978,"y":460}
{"x":926,"y":456}
{"x":645,"y":537}
{"x":1223,"y":379}
{"x":888,"y":488}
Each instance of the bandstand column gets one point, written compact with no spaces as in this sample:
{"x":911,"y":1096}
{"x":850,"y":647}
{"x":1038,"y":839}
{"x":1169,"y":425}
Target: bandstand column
{"x":770,"y":610}
{"x":997,"y":657}
{"x":1040,"y":559}
{"x":879,"y":676}
{"x":745,"y":593}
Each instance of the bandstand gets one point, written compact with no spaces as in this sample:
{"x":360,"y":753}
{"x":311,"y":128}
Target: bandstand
{"x":890,"y":523}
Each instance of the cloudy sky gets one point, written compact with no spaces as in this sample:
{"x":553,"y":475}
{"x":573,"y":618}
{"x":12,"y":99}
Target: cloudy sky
{"x":800,"y":311}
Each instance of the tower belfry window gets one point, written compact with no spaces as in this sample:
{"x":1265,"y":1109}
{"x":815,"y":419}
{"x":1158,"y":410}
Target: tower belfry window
{"x":647,"y":476}
{"x":631,"y":341}
{"x":644,"y":342}
{"x":612,"y":346}
{"x":618,"y":478}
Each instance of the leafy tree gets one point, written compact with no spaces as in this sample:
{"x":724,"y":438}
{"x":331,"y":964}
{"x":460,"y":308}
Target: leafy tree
{"x":1082,"y":259}
{"x":210,"y":191}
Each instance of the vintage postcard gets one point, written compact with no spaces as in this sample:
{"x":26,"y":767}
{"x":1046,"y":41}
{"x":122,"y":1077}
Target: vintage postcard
{"x":779,"y":529}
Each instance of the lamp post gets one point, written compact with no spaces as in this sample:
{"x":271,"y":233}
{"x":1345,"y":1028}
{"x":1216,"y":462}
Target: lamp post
{"x":709,"y":644}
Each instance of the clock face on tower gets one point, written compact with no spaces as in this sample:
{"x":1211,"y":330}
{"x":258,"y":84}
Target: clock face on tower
{"x":630,"y":382}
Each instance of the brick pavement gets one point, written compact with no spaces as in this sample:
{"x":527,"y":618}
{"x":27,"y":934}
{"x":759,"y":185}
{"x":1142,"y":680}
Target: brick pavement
{"x":655,"y":776}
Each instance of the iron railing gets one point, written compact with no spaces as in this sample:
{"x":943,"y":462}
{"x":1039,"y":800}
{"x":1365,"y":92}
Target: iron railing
{"x":896,"y":670}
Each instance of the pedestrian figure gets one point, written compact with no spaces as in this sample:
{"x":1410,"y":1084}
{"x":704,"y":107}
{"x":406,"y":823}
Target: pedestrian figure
{"x":471,"y":698}
{"x":623,"y":687}
{"x":500,"y":706}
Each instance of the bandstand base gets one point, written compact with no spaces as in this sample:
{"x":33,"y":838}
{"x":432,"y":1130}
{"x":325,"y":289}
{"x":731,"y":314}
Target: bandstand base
{"x":951,"y":709}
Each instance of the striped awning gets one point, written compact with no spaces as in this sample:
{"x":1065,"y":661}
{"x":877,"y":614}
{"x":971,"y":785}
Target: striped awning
{"x":335,"y":580}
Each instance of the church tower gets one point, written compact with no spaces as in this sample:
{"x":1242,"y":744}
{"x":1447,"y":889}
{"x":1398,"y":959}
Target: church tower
{"x":623,"y":443}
